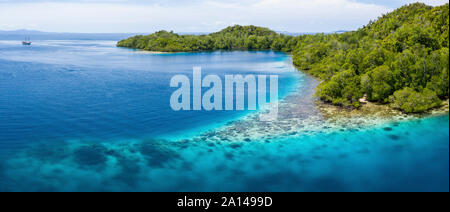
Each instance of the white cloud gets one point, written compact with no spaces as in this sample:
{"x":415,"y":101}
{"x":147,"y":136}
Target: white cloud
{"x":428,"y":2}
{"x":203,"y":16}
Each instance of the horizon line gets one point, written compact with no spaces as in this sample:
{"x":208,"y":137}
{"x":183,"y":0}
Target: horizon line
{"x":182,"y":33}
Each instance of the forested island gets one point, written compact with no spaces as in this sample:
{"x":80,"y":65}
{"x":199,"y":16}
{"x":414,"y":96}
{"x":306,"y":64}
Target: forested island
{"x":401,"y":59}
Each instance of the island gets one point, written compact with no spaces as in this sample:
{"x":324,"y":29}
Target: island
{"x":400,"y":60}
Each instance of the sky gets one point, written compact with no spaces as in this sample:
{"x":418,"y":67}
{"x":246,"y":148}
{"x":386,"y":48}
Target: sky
{"x":146,"y":16}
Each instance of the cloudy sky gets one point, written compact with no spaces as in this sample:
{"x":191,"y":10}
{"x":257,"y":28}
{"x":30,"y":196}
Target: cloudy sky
{"x":192,"y":15}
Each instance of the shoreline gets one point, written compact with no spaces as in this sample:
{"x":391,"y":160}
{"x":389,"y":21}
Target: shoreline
{"x":371,"y":108}
{"x":375,"y":110}
{"x":153,"y":52}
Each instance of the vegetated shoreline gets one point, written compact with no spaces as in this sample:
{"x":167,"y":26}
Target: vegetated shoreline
{"x":143,"y":51}
{"x":372,"y":110}
{"x":337,"y":113}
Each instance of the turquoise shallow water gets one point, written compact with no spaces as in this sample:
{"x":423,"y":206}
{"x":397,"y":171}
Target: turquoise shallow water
{"x":79,"y":115}
{"x":408,"y":156}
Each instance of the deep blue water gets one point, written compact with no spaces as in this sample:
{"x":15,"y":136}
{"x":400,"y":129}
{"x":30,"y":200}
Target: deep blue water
{"x":83,"y":115}
{"x":92,"y":90}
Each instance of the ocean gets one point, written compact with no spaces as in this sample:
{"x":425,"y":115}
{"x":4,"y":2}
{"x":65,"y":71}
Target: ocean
{"x":79,"y":114}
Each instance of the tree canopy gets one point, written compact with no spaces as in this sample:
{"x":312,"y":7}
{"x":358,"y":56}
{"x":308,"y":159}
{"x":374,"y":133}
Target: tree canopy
{"x":232,"y":38}
{"x":401,"y":59}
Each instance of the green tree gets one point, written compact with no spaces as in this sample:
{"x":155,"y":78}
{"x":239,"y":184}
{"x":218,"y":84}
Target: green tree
{"x":378,"y":84}
{"x":411,"y":101}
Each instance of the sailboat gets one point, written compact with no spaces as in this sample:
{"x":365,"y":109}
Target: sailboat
{"x":26,"y":42}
